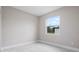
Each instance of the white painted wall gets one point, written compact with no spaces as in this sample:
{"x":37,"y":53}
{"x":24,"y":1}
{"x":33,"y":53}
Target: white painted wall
{"x":0,"y":27}
{"x":17,"y":27}
{"x":69,"y":27}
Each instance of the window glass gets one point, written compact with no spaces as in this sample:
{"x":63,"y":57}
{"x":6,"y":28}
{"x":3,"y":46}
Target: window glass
{"x":52,"y":24}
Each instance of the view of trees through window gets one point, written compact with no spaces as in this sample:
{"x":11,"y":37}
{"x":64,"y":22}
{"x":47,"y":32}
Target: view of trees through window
{"x":52,"y":24}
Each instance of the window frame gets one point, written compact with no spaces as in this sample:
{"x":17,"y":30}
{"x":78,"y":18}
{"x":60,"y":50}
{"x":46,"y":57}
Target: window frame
{"x":46,"y":27}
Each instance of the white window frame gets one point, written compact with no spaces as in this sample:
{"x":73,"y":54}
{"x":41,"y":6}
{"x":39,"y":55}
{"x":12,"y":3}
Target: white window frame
{"x":46,"y":28}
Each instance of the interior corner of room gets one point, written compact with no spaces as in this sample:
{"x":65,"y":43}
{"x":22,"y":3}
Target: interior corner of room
{"x":25,"y":28}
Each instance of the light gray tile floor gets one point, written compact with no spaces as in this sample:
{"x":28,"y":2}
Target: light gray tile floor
{"x":37,"y":47}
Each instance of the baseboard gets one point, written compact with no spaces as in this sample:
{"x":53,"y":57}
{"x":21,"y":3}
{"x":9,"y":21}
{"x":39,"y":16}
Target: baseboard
{"x":17,"y":45}
{"x":59,"y":45}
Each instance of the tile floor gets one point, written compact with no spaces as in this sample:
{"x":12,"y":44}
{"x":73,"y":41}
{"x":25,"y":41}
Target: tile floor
{"x":37,"y":47}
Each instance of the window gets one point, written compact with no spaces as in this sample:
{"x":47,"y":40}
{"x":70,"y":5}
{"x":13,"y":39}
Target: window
{"x":52,"y":24}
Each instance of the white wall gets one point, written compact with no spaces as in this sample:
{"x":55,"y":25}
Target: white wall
{"x":69,"y":27}
{"x":0,"y":26}
{"x":17,"y":27}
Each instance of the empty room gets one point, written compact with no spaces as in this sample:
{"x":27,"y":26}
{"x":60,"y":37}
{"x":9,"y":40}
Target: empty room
{"x":39,"y":28}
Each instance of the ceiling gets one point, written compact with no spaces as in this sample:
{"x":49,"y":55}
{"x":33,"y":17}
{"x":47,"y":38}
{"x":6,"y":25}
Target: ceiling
{"x":37,"y":10}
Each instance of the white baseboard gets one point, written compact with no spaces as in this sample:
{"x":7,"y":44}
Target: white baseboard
{"x":17,"y":45}
{"x":59,"y":45}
